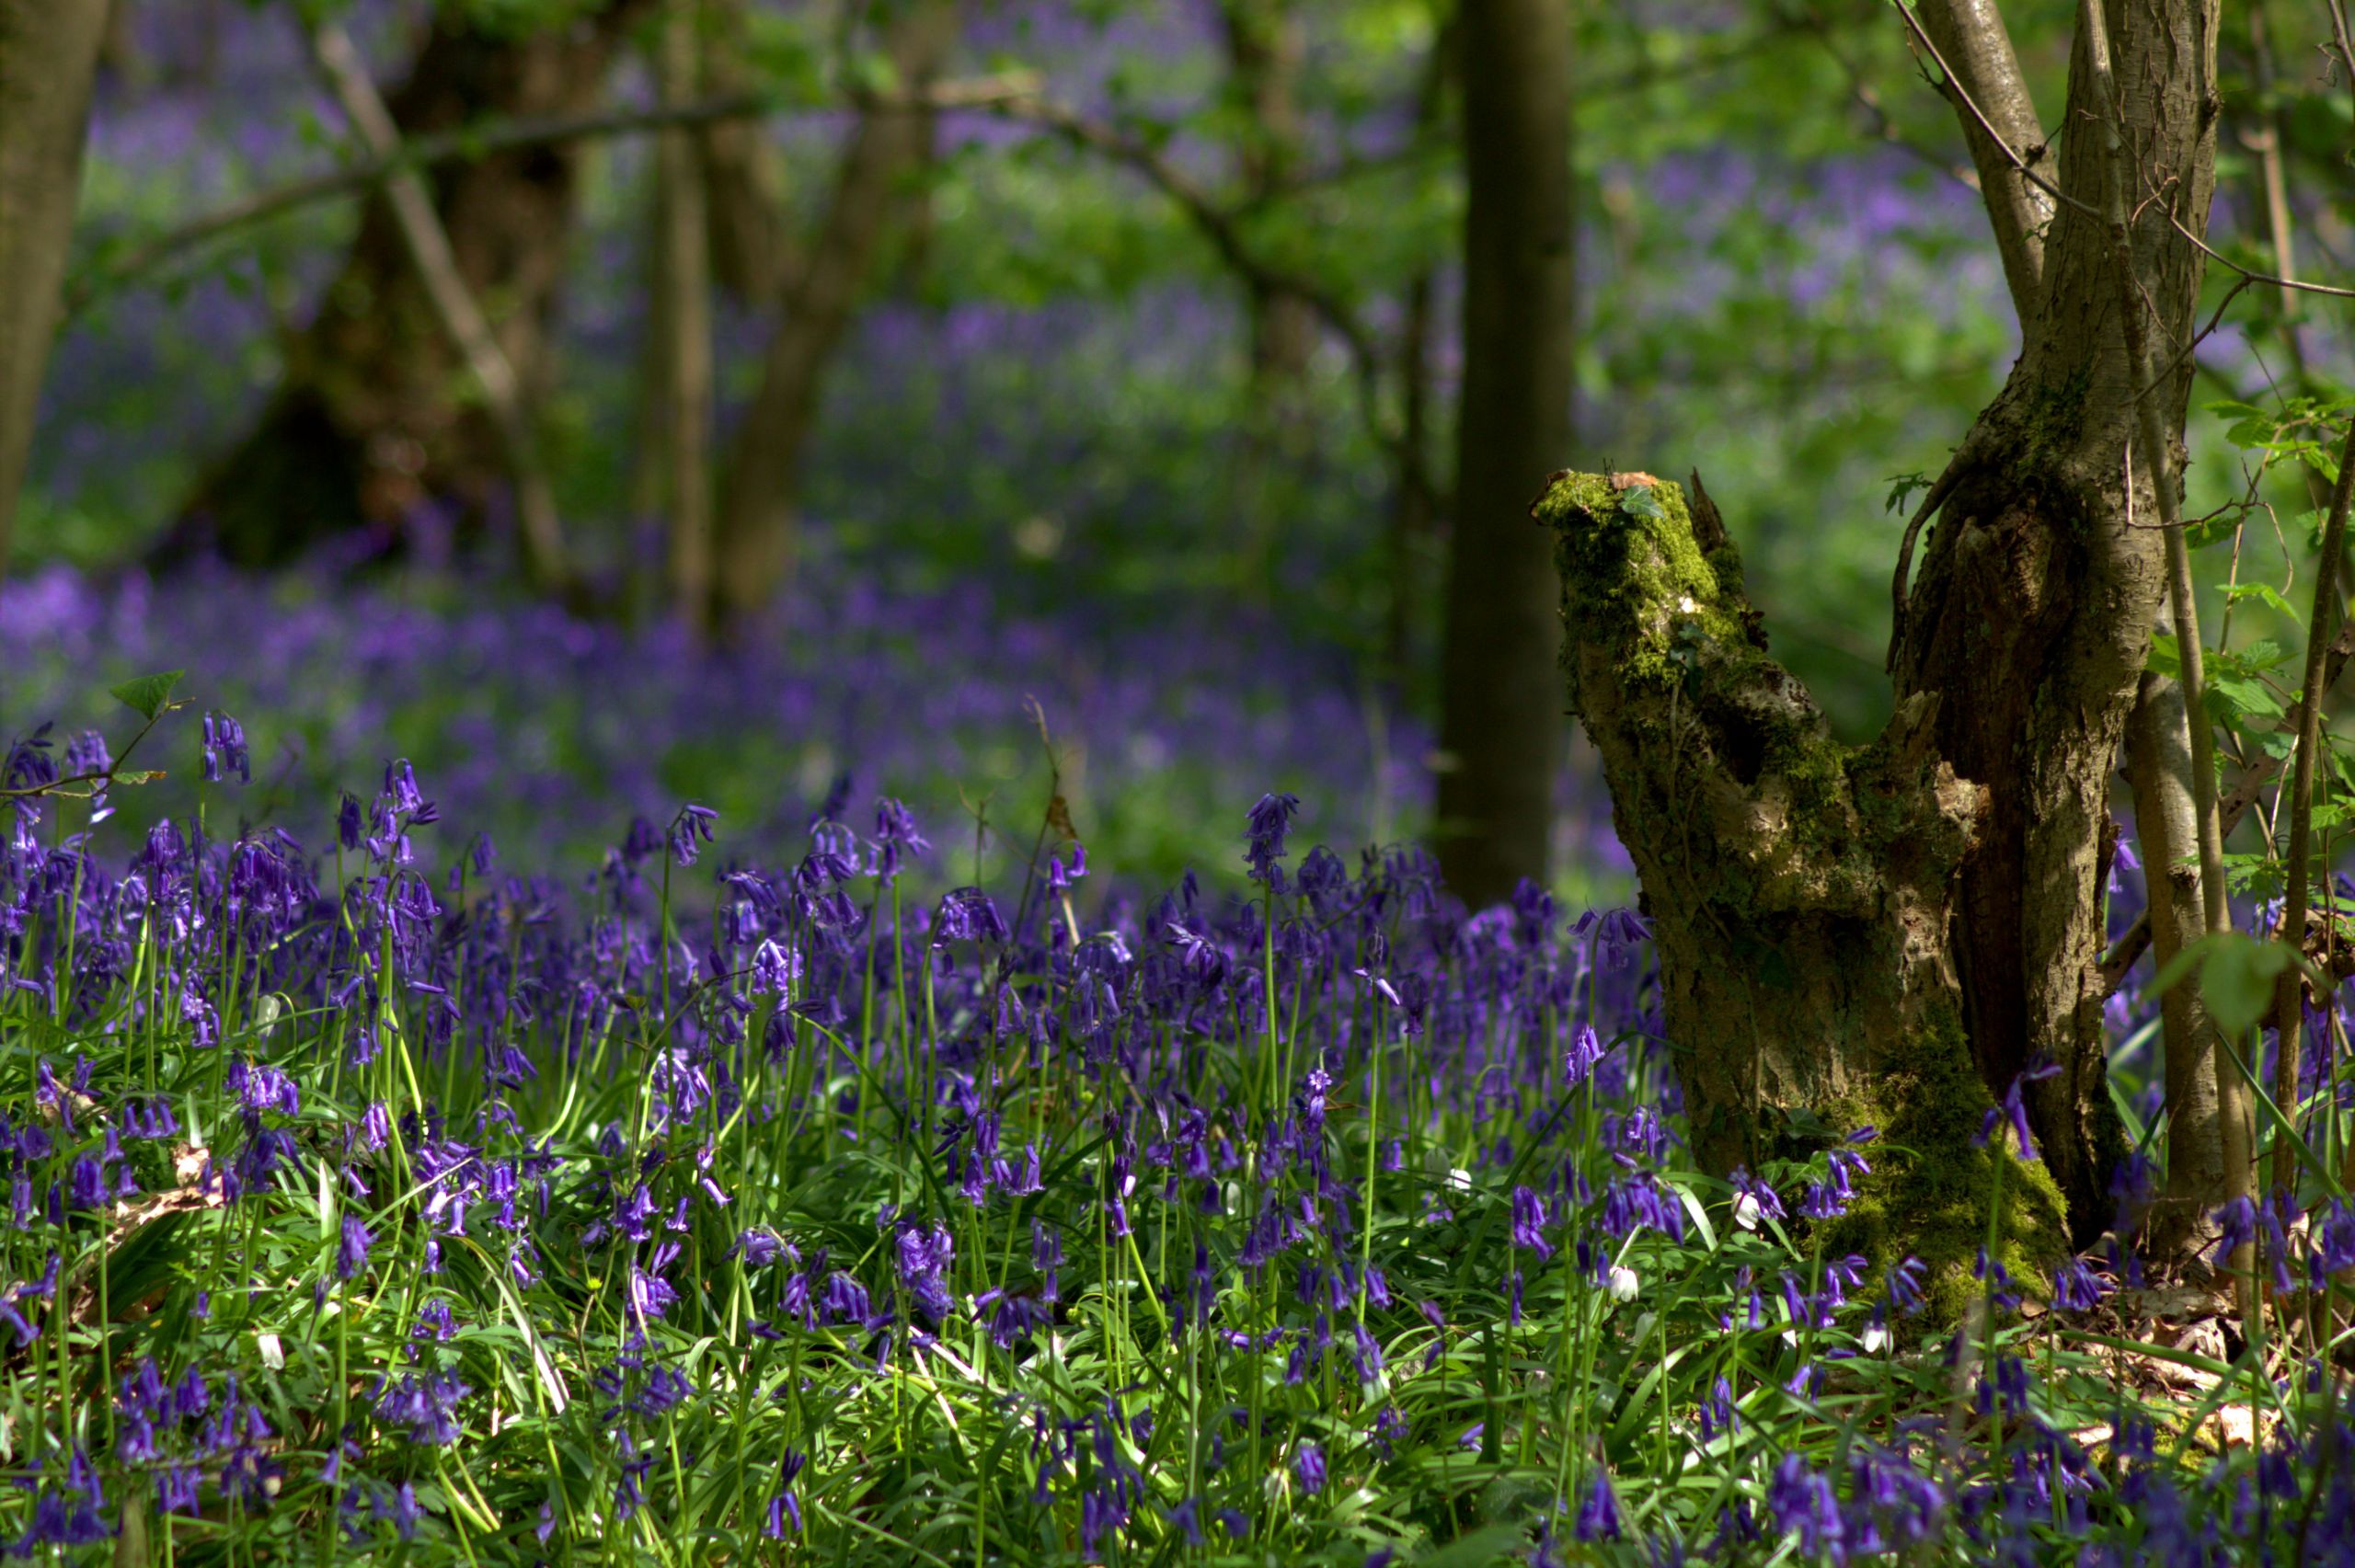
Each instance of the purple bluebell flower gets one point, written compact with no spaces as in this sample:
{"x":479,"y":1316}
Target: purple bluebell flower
{"x":1599,"y":1510}
{"x":1269,"y":822}
{"x":351,"y":1249}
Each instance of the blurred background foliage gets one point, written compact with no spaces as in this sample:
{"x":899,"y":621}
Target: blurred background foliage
{"x":1045,"y":410}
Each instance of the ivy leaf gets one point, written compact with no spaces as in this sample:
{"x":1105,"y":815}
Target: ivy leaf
{"x":1640,"y":500}
{"x":149,"y":695}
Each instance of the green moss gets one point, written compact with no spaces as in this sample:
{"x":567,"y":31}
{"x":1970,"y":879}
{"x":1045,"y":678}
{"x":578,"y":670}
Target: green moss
{"x":1640,"y":566}
{"x":1931,"y":1192}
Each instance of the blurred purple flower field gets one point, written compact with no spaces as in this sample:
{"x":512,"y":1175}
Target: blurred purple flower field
{"x":551,"y":733}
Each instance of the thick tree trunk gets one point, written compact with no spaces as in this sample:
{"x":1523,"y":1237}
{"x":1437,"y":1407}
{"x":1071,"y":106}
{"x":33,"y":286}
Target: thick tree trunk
{"x":1801,"y":892}
{"x":2032,"y":619}
{"x":763,"y":483}
{"x":49,"y":57}
{"x":1898,"y":933}
{"x":372,"y":419}
{"x":1500,"y":710}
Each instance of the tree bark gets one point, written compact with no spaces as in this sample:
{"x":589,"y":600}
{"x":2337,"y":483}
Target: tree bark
{"x":1899,"y":932}
{"x":1500,"y":718}
{"x":1977,"y":48}
{"x":372,"y":420}
{"x":763,"y":489}
{"x":2033,"y":616}
{"x":685,"y":274}
{"x":2158,"y":764}
{"x":1801,"y":891}
{"x":49,"y":58}
{"x":455,"y":309}
{"x":752,"y":244}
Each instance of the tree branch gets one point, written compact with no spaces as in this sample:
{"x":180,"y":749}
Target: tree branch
{"x":473,"y":142}
{"x":1976,"y":53}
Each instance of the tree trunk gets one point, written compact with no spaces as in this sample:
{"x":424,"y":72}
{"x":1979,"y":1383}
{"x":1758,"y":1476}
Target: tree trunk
{"x":684,"y":275}
{"x":1265,"y":46}
{"x":373,"y":420}
{"x":49,"y":58}
{"x":2033,"y":612}
{"x":763,"y":490}
{"x":752,"y":245}
{"x":2158,"y":763}
{"x":1500,"y":710}
{"x":1896,"y":932}
{"x":1801,"y":891}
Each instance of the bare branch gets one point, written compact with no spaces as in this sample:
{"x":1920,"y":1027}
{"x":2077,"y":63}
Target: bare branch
{"x":473,"y":142}
{"x":1976,"y":53}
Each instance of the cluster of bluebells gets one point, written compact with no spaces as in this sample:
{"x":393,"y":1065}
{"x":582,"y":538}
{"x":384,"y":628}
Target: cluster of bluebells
{"x":694,"y":1161}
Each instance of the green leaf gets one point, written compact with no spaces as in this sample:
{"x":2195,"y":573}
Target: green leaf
{"x":149,"y":695}
{"x":2236,"y":976}
{"x":1902,"y":486}
{"x":2247,"y":696}
{"x":2264,"y":593}
{"x":1639,"y":500}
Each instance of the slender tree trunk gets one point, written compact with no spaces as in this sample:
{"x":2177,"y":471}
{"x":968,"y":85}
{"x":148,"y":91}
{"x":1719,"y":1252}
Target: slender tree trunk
{"x":1414,"y":508}
{"x":685,"y":277}
{"x":372,"y":419}
{"x":1266,"y":43}
{"x":2032,"y":615}
{"x":1500,"y":704}
{"x":49,"y":57}
{"x":763,"y":489}
{"x":752,"y":245}
{"x":1895,"y":932}
{"x":2158,"y":763}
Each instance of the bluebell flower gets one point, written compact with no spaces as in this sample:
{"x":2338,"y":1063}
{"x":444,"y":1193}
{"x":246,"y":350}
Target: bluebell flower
{"x":1599,"y":1510}
{"x":2076,"y":1288}
{"x":1269,"y":822}
{"x":352,"y":1249}
{"x":225,"y":747}
{"x":691,"y":827}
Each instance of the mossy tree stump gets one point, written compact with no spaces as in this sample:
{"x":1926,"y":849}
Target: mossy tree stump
{"x":1801,"y":891}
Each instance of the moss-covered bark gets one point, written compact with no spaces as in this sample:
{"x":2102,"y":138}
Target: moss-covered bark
{"x":1801,"y":891}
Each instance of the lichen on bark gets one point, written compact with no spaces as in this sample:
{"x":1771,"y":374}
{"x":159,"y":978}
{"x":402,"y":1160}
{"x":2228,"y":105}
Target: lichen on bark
{"x":1800,"y":889}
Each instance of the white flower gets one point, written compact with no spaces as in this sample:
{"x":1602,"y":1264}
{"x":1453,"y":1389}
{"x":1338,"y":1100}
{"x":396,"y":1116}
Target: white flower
{"x":1746,"y":1211}
{"x":1622,"y":1283}
{"x":1876,"y":1338}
